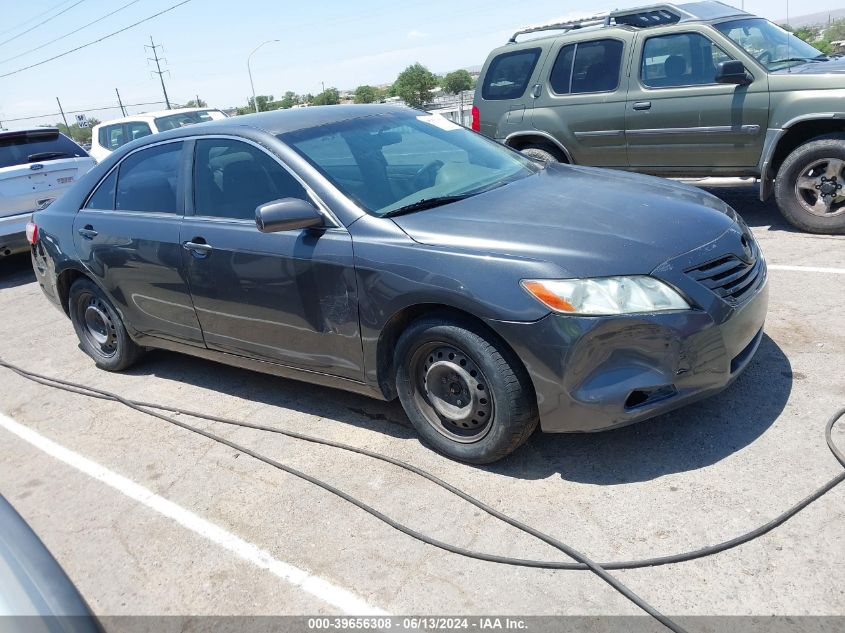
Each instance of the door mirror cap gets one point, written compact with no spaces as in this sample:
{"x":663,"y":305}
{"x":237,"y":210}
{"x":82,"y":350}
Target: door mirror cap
{"x":287,"y":214}
{"x":732,"y":72}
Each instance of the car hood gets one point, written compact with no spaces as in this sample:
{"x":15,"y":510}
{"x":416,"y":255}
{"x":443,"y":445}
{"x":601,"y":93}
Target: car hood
{"x":587,"y":221}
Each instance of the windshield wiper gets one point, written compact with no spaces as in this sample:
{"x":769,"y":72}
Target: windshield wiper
{"x":425,"y":203}
{"x":46,"y":156}
{"x":786,"y":60}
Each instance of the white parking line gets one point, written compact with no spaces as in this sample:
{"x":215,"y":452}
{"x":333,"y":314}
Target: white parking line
{"x":329,"y":593}
{"x":808,"y":269}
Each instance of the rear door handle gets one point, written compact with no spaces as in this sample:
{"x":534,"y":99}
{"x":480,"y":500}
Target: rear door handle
{"x":642,"y":105}
{"x":88,"y":232}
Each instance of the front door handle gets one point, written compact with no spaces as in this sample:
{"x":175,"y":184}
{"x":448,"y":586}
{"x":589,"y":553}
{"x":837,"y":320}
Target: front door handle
{"x":198,"y":247}
{"x":88,"y":232}
{"x":642,"y":105}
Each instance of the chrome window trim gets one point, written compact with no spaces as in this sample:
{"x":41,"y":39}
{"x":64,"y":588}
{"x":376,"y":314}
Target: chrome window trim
{"x":320,"y":204}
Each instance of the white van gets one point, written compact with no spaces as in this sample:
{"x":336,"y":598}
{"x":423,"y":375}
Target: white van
{"x":109,"y":135}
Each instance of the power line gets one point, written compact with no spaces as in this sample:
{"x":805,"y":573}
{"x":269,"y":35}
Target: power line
{"x":50,"y":114}
{"x":34,"y":17}
{"x":61,"y":37}
{"x":105,"y":37}
{"x":32,"y":28}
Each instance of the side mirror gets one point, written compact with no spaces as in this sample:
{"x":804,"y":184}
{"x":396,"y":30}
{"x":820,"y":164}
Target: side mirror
{"x":732,"y":72}
{"x":287,"y":214}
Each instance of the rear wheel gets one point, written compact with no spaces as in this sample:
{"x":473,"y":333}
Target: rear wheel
{"x":101,"y":333}
{"x":539,"y":153}
{"x":467,"y":395}
{"x":810,"y":187}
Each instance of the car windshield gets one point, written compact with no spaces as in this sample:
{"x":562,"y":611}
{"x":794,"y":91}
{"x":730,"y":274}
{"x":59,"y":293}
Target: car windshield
{"x":173,"y":121}
{"x":36,"y":147}
{"x":770,"y":45}
{"x":406,"y":161}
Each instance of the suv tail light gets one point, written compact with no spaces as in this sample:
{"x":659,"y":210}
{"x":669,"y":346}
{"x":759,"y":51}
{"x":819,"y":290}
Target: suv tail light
{"x":476,"y":119}
{"x":31,"y":232}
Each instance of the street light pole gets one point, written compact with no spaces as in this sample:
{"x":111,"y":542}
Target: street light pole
{"x":249,"y":70}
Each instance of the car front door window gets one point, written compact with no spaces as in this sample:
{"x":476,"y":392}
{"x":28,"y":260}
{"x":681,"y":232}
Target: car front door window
{"x":683,"y":59}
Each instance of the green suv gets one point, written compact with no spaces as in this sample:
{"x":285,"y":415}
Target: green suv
{"x":692,"y":90}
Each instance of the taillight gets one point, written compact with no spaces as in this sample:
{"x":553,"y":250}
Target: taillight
{"x":476,"y":119}
{"x":31,"y":232}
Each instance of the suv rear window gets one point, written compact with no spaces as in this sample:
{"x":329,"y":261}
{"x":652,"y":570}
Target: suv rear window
{"x":173,"y":121}
{"x":36,"y":147}
{"x":587,"y":67}
{"x":508,"y":74}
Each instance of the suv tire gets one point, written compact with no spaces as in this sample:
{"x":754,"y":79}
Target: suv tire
{"x":466,"y":393}
{"x":101,"y":332}
{"x":540,"y":153}
{"x":815,"y":167}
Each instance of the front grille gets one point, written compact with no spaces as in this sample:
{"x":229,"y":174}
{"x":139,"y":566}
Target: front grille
{"x":728,"y":276}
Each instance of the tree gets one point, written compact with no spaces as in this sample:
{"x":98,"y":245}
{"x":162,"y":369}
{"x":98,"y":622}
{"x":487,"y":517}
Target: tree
{"x":366,"y":94}
{"x":456,"y":82}
{"x":264,"y":102}
{"x":81,"y":135}
{"x":196,"y":103}
{"x":329,"y":96}
{"x":414,"y":85}
{"x":289,"y":100}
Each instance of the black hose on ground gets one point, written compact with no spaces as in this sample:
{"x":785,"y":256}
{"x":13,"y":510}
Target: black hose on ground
{"x":583,"y":563}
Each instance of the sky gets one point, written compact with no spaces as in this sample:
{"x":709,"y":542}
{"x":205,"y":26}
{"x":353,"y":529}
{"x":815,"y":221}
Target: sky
{"x":206,"y":44}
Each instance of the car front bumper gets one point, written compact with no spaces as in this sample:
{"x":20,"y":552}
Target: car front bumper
{"x":597,"y":373}
{"x":13,"y":233}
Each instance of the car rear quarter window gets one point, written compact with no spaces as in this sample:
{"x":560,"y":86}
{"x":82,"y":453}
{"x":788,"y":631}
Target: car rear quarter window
{"x":148,"y":180}
{"x":232,"y":178}
{"x":681,"y":59}
{"x":37,"y":147}
{"x":103,"y":196}
{"x":587,"y":67}
{"x":508,"y":74}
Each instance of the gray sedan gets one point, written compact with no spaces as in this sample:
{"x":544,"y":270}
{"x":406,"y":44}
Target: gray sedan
{"x":392,"y":253}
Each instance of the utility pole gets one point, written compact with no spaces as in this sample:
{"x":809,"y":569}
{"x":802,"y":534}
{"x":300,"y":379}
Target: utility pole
{"x":64,"y":118}
{"x":122,"y":109}
{"x":158,"y":71}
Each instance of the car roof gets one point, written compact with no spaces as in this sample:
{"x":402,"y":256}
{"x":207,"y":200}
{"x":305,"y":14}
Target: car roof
{"x":632,"y":20}
{"x":281,"y":121}
{"x":148,"y":116}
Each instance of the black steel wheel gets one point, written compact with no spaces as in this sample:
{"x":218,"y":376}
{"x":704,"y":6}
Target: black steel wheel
{"x":101,"y":332}
{"x":466,"y":393}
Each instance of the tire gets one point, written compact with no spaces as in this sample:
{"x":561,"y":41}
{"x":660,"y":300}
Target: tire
{"x":815,"y":167}
{"x":442,"y":361}
{"x":540,"y":154}
{"x":101,"y":332}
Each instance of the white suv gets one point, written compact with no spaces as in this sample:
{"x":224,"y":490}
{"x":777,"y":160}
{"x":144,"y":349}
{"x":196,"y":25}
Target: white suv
{"x":109,"y":135}
{"x":36,"y":167}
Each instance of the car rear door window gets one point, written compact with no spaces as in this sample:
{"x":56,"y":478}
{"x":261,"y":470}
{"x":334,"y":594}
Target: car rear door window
{"x":683,"y":59}
{"x":508,"y":74}
{"x":136,"y":129}
{"x":103,"y":197}
{"x":148,"y":180}
{"x":232,"y":178}
{"x":587,"y":67}
{"x":113,"y":138}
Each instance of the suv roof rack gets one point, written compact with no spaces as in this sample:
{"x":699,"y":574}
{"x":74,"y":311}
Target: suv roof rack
{"x":642,"y":17}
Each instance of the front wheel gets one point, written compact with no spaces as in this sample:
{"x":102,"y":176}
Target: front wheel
{"x":810,"y":187}
{"x":467,"y":395}
{"x":101,"y":333}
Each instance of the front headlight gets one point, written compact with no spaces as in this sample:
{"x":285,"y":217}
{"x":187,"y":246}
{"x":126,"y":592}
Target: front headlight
{"x":606,"y":295}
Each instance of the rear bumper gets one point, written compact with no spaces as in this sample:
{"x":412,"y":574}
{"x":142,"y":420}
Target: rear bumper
{"x":13,"y":233}
{"x":592,"y":374}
